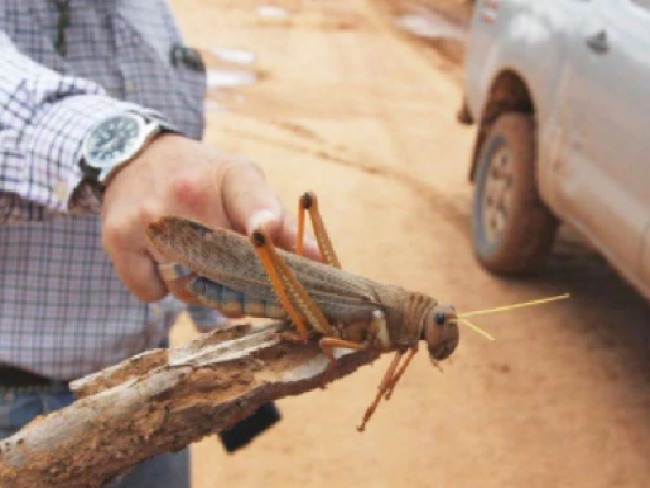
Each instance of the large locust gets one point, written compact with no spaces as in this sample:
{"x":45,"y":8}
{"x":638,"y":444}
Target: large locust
{"x":249,"y":276}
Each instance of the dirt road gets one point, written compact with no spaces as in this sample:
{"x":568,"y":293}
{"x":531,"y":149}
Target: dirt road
{"x":349,"y":108}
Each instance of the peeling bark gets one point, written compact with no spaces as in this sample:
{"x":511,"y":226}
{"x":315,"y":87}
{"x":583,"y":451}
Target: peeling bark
{"x":162,"y":401}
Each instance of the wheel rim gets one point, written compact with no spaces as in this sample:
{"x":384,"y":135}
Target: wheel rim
{"x":496,"y":205}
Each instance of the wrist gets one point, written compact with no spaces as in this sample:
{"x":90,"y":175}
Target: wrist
{"x":116,"y":140}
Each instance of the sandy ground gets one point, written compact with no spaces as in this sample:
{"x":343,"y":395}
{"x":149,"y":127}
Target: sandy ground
{"x":359,"y":114}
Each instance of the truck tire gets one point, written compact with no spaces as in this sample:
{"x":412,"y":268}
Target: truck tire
{"x":512,"y":229}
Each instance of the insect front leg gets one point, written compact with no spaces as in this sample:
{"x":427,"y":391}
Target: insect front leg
{"x":388,"y":383}
{"x":398,"y":374}
{"x":383,"y":387}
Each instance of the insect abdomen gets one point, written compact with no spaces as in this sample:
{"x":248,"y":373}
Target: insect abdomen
{"x":232,"y":302}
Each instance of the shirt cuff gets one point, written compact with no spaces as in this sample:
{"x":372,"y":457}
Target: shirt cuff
{"x":53,"y":145}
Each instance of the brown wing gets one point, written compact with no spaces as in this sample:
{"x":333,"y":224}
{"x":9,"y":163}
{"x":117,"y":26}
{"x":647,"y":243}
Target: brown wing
{"x":228,"y":258}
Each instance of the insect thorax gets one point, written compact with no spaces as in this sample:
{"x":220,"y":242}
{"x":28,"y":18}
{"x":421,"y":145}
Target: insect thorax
{"x":406,"y":318}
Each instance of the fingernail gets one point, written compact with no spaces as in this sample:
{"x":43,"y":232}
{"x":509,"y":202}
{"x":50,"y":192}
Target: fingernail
{"x":261,"y":218}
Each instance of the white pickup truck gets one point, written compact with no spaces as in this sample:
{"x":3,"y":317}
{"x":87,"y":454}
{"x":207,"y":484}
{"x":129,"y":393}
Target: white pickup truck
{"x":560,"y":90}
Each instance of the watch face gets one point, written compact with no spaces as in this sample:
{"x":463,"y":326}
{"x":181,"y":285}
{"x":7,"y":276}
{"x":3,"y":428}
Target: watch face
{"x":113,"y":140}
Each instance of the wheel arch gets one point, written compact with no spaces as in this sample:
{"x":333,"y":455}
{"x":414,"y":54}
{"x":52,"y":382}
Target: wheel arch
{"x":509,"y":92}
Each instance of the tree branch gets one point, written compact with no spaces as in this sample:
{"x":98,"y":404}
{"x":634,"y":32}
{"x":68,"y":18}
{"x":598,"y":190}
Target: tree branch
{"x":162,"y":401}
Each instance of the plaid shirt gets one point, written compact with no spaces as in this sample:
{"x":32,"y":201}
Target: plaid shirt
{"x":63,"y":66}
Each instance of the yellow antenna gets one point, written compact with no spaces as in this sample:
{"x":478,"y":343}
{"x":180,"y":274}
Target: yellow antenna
{"x":462,"y":317}
{"x":504,"y":308}
{"x":477,"y":329}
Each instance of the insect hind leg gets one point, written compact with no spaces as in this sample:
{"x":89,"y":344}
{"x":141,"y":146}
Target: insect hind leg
{"x":292,"y":294}
{"x":309,"y":202}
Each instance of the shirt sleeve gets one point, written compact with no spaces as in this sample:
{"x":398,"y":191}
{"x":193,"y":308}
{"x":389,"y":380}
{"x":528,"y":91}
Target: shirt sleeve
{"x":44,"y":118}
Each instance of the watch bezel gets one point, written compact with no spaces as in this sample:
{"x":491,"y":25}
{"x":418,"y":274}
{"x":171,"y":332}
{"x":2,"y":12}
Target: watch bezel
{"x":131,"y":149}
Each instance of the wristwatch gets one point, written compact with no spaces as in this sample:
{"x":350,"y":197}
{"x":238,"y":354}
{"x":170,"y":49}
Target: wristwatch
{"x":114,"y":141}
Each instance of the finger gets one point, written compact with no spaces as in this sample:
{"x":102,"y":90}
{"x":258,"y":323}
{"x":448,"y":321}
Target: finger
{"x":269,"y":221}
{"x":250,"y":203}
{"x":285,"y":235}
{"x":246,"y":196}
{"x":139,"y":273}
{"x":284,"y":232}
{"x":136,"y":268}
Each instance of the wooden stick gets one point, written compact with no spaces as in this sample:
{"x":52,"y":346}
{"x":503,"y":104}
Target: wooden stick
{"x":162,"y":401}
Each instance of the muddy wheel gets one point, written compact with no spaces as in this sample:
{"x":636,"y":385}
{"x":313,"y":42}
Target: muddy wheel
{"x":512,"y":230}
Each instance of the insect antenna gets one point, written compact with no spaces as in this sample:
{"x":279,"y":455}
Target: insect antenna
{"x":477,"y":329}
{"x":462,"y":317}
{"x":504,"y":308}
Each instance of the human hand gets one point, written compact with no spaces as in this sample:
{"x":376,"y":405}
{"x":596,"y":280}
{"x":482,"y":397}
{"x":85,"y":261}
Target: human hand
{"x":178,"y":176}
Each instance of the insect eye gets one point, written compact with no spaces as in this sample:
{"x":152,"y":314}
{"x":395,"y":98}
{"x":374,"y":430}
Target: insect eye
{"x":440,"y":318}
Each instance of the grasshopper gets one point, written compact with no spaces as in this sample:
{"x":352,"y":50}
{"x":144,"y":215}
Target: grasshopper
{"x":249,"y":276}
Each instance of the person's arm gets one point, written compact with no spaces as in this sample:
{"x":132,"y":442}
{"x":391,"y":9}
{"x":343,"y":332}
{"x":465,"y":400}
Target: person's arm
{"x":44,"y":118}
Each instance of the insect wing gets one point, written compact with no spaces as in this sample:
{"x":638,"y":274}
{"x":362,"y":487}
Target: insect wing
{"x":222,"y":256}
{"x":228,"y":258}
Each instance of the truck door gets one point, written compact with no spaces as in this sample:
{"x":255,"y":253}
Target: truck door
{"x":606,"y":174}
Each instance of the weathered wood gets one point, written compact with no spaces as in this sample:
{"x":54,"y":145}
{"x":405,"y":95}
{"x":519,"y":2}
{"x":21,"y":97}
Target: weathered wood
{"x":162,"y":401}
